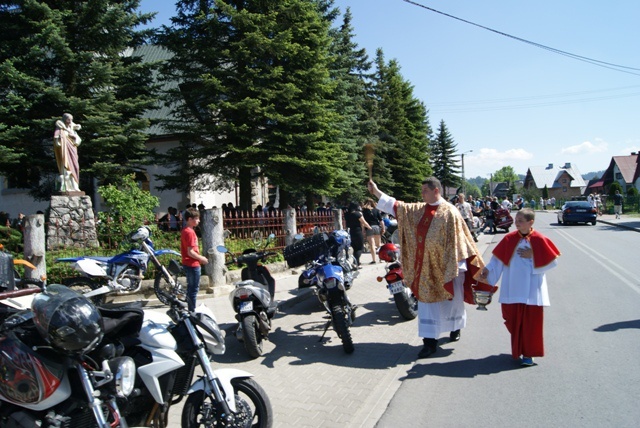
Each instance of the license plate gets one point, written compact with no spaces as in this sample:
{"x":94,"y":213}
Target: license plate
{"x":246,"y":306}
{"x":581,"y":211}
{"x":396,"y":287}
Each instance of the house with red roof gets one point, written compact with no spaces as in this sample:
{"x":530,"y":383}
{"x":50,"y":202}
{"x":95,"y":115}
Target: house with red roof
{"x":624,"y":170}
{"x":562,"y":182}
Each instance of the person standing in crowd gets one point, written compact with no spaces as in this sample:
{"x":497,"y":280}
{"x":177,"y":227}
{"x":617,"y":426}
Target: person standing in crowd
{"x":439,"y":259}
{"x":522,"y":258}
{"x":373,"y":217}
{"x":356,"y":224}
{"x":191,"y":258}
{"x":467,"y":215}
{"x":617,"y":204}
{"x":489,"y":219}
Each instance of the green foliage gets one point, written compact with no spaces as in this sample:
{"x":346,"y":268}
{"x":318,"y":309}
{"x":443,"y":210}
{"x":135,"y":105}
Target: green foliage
{"x":613,"y":187}
{"x":11,"y":239}
{"x":472,"y":190}
{"x":71,"y":56}
{"x":129,"y":207}
{"x":545,"y":192}
{"x":444,"y":158}
{"x":632,"y":191}
{"x":505,"y":174}
{"x":404,"y":131}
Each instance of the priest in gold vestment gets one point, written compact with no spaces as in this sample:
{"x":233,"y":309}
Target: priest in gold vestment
{"x":439,"y":261}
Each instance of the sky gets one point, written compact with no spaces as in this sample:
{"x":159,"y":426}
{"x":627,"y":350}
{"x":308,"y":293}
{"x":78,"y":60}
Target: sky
{"x":505,"y":95}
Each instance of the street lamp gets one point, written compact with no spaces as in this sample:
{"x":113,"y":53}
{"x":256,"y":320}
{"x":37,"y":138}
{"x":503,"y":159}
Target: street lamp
{"x":462,"y":157}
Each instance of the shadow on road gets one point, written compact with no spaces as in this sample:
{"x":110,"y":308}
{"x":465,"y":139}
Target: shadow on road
{"x":465,"y":368}
{"x":605,"y":328}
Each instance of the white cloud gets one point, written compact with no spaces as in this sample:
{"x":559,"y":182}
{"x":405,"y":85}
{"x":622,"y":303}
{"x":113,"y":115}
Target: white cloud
{"x":494,"y":156}
{"x":587,"y":147}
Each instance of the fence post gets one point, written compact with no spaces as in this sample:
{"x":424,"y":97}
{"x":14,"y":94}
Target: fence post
{"x":34,"y":246}
{"x":337,"y":219}
{"x":212,"y":236}
{"x":290,"y":225}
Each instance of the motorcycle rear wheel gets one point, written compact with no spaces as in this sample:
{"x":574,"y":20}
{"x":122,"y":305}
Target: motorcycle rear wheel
{"x":252,"y":403}
{"x":251,"y":336}
{"x":160,"y":283}
{"x":341,"y":326}
{"x":83,"y":285}
{"x":407,"y":304}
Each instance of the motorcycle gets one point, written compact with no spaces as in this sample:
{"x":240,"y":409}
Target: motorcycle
{"x":167,"y":351}
{"x":56,"y":371}
{"x":253,"y":296}
{"x":123,"y":273}
{"x":332,"y":271}
{"x":406,"y":302}
{"x":503,"y":219}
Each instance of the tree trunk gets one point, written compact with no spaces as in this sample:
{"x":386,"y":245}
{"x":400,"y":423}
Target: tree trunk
{"x":244,"y":179}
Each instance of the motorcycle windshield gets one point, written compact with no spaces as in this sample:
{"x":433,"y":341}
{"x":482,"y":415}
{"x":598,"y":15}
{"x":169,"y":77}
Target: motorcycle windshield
{"x":27,"y":378}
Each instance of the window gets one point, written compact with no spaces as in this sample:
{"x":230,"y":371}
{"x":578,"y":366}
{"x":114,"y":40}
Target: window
{"x":564,"y":189}
{"x":618,"y":176}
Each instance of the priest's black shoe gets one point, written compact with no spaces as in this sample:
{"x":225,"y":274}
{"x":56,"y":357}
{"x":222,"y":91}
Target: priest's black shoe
{"x":454,"y":336}
{"x":430,"y":347}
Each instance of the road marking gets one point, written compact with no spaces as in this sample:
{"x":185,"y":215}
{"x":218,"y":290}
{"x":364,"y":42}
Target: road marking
{"x":601,"y":259}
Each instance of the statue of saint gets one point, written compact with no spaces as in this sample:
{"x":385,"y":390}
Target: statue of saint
{"x":65,"y":146}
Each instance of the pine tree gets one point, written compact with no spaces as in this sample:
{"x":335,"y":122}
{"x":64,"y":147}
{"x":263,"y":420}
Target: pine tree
{"x":254,"y":77}
{"x":443,"y":157}
{"x":75,"y":57}
{"x":404,"y":131}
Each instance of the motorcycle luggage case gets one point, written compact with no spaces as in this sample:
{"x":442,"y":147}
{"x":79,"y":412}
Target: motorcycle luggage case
{"x":7,"y":278}
{"x":306,"y":250}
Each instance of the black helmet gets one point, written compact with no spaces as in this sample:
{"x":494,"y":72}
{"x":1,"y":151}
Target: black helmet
{"x":67,"y":320}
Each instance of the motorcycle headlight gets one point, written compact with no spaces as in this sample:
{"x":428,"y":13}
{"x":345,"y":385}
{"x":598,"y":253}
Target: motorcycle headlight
{"x":330,"y":283}
{"x":124,"y":375}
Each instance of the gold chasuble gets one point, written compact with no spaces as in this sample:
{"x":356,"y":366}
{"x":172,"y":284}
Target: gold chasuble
{"x":433,"y":239}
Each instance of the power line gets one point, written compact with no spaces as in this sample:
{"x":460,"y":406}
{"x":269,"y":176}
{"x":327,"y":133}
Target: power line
{"x":603,"y":64}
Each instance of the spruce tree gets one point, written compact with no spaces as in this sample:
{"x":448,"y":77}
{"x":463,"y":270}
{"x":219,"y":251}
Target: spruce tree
{"x":404,"y":131}
{"x":444,"y":159}
{"x":66,"y":56}
{"x":254,"y":77}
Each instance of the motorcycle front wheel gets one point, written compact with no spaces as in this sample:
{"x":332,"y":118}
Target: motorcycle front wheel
{"x":251,"y":336}
{"x":252,"y":405}
{"x":341,"y":326}
{"x":407,"y":304}
{"x":161,"y":283}
{"x":83,"y":285}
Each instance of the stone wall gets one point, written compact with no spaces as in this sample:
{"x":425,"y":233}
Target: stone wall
{"x":71,"y":223}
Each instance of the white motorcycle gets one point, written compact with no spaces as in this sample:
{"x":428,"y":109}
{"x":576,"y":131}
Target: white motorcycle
{"x":170,"y":347}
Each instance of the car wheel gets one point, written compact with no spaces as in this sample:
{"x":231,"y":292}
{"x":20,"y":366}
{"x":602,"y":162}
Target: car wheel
{"x":559,"y":221}
{"x":593,"y":223}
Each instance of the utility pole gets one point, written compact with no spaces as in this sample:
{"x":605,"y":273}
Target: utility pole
{"x":462,"y":157}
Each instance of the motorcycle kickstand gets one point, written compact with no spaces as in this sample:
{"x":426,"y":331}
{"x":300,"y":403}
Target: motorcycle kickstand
{"x":326,"y":327}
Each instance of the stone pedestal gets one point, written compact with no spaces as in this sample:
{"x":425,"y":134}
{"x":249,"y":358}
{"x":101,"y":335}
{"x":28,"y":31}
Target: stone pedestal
{"x":71,"y":222}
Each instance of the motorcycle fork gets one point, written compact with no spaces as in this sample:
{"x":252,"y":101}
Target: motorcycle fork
{"x":158,"y":265}
{"x":331,"y":301}
{"x":95,"y":404}
{"x":211,"y":386}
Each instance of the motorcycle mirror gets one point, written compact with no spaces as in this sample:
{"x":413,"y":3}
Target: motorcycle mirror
{"x":222,"y":249}
{"x":395,"y":238}
{"x":298,"y":237}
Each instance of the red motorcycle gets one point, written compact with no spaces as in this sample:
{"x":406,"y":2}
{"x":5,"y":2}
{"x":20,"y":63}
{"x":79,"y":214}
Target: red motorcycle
{"x":406,"y":302}
{"x":503,"y":219}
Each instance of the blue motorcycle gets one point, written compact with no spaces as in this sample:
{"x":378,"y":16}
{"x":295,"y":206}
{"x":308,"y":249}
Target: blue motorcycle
{"x":123,"y":273}
{"x":332,"y":271}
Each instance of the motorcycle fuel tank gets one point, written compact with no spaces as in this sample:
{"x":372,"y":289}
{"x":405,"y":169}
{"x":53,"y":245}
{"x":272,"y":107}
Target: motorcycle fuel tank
{"x":154,"y":332}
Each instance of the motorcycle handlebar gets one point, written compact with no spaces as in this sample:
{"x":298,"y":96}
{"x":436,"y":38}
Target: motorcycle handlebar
{"x":173,"y":299}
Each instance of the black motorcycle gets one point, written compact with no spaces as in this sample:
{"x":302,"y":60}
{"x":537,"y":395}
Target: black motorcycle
{"x":253,"y":298}
{"x":56,"y":371}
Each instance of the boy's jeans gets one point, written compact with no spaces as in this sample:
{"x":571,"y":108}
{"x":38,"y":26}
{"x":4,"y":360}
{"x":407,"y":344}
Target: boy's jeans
{"x":193,"y":285}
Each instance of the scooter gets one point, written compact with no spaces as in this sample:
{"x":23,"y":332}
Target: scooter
{"x":253,"y":297}
{"x":406,"y":302}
